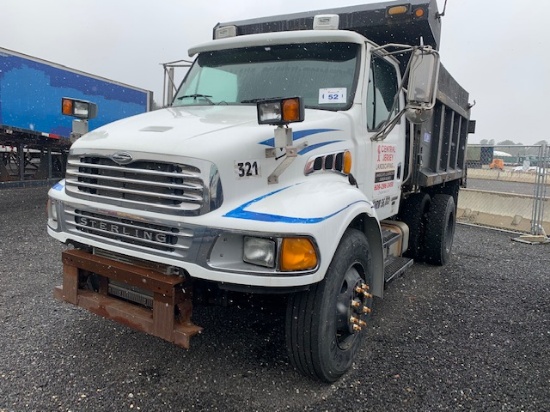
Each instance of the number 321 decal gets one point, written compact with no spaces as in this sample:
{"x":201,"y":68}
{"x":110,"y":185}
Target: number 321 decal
{"x":247,"y":168}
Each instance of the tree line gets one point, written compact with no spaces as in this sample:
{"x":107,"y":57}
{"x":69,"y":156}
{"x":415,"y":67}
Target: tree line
{"x":491,"y":142}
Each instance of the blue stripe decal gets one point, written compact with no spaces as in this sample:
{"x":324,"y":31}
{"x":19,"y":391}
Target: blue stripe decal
{"x":299,"y":134}
{"x":241,"y":213}
{"x":316,"y":146}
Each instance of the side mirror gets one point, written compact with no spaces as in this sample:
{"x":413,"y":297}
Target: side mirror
{"x":422,"y":87}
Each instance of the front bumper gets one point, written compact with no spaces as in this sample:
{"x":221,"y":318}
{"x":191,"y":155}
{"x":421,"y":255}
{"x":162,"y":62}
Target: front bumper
{"x":193,"y":250}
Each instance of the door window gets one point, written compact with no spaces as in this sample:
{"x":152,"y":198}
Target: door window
{"x":382,"y":91}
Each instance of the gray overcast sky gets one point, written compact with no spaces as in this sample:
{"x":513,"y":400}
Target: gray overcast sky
{"x":497,"y":49}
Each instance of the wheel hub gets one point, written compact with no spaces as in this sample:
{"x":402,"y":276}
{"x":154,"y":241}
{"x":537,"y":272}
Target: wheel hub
{"x":352,"y":306}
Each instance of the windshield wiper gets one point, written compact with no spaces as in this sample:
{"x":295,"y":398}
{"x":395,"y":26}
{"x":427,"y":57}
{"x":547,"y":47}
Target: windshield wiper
{"x":252,"y":100}
{"x":195,"y":96}
{"x":258,"y":99}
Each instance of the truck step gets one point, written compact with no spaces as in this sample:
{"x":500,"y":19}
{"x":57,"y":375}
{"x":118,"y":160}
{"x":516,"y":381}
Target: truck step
{"x":396,"y":266}
{"x":170,"y":315}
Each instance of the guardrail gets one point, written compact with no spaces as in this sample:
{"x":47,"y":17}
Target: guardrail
{"x":502,"y":208}
{"x":510,"y":175}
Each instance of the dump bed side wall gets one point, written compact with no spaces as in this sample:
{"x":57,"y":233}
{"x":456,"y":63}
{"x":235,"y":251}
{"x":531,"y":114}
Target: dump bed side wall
{"x":31,"y":90}
{"x":441,"y":140}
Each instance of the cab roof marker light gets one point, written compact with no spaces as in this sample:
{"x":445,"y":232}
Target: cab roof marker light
{"x":225,"y":32}
{"x":397,"y":10}
{"x":419,"y":12}
{"x":326,"y":22}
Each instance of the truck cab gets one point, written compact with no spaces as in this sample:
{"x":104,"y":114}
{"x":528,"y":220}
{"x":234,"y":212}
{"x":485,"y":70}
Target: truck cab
{"x":348,"y":90}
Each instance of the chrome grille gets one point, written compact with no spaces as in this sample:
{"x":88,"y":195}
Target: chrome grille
{"x":140,"y":234}
{"x":146,"y":184}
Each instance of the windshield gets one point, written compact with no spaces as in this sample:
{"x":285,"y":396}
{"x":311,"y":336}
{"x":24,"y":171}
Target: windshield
{"x":323,"y":74}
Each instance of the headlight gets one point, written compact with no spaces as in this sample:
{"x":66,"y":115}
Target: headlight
{"x":52,"y":214}
{"x":259,"y":251}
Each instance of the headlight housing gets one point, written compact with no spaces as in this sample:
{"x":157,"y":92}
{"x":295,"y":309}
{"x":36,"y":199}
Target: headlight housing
{"x":293,"y":254}
{"x":264,"y":254}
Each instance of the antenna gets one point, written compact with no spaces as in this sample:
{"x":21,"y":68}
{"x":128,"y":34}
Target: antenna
{"x":439,"y":15}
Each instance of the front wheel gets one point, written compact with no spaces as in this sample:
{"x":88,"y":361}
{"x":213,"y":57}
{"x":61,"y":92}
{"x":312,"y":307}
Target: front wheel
{"x":324,"y":325}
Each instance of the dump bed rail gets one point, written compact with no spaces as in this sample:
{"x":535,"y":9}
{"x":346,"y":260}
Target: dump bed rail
{"x":371,"y":20}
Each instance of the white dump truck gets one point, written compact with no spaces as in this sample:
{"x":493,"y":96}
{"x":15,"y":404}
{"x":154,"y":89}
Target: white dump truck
{"x":315,"y":155}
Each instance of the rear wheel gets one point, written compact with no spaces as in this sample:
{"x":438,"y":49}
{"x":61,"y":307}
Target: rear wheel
{"x":413,"y":212}
{"x":440,"y":230}
{"x":324,"y":325}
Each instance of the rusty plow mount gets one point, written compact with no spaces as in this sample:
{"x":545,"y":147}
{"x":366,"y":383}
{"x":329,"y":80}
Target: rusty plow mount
{"x":170,"y":316}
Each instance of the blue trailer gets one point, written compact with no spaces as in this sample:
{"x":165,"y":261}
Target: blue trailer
{"x":31,"y":121}
{"x":31,"y":90}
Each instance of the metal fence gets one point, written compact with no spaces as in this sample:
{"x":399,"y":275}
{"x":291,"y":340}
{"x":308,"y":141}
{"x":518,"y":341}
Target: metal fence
{"x":507,"y":188}
{"x":20,"y":164}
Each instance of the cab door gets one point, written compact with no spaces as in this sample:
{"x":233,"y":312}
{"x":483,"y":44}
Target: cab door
{"x":383,"y":102}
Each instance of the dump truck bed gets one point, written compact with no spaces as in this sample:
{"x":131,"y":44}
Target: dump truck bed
{"x":440,"y":142}
{"x":370,"y":20}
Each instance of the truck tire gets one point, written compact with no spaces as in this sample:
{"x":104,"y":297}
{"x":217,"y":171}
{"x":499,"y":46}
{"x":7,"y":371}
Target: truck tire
{"x":324,"y":325}
{"x":440,"y":230}
{"x":413,"y":212}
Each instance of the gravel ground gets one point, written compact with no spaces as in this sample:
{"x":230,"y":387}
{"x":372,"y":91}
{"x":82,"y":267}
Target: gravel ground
{"x":473,"y":335}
